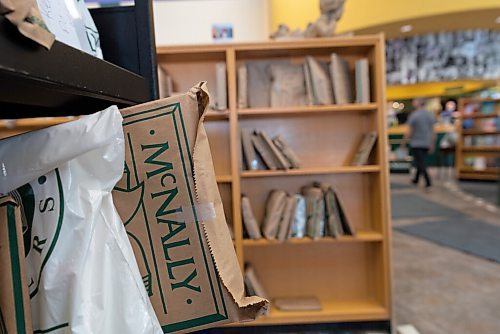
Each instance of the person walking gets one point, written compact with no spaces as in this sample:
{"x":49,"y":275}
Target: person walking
{"x":422,"y":139}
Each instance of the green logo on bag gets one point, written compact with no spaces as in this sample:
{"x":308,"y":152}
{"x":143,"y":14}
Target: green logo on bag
{"x":37,"y":199}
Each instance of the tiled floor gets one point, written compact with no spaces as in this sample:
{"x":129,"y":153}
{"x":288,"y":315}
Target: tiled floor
{"x":438,"y":289}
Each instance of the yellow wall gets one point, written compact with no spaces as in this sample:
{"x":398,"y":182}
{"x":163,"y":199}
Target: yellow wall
{"x":294,"y":13}
{"x":366,"y":13}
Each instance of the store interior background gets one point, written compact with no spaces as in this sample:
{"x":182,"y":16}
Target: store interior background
{"x":436,"y":289}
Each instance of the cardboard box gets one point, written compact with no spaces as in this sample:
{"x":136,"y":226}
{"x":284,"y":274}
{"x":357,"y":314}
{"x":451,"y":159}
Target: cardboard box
{"x":15,"y":314}
{"x":169,"y":202}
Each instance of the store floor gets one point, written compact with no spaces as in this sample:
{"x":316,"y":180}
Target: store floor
{"x":450,"y":286}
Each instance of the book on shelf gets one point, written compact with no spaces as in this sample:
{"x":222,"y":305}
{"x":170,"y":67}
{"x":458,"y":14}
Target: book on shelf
{"x":298,"y":228}
{"x":165,"y":84}
{"x":333,"y":220}
{"x":309,"y":91}
{"x":251,"y":224}
{"x":220,"y":86}
{"x":253,"y":283}
{"x":315,"y":211}
{"x":263,"y":152}
{"x":250,"y":157}
{"x":341,"y":79}
{"x":362,"y":74}
{"x":242,"y":86}
{"x":345,"y":227}
{"x":259,"y":82}
{"x":287,"y":152}
{"x":479,"y":163}
{"x":488,"y":107}
{"x":287,"y":85}
{"x":275,"y":205}
{"x":280,"y":161}
{"x":364,"y":149}
{"x":286,"y":218}
{"x":294,"y":304}
{"x":320,"y":81}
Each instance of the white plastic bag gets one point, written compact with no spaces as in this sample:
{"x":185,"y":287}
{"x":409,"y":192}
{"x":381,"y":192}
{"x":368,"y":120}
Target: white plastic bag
{"x":82,"y":273}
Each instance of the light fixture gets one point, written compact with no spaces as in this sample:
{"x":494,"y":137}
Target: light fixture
{"x":401,"y":106}
{"x":395,"y":105}
{"x":406,"y":28}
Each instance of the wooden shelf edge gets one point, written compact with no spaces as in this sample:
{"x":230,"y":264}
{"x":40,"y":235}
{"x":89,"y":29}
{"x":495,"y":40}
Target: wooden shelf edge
{"x":359,"y":237}
{"x":492,"y":170}
{"x":33,"y":122}
{"x":473,"y":116}
{"x":477,"y":176}
{"x":312,"y":171}
{"x":304,"y":110}
{"x":224,"y":178}
{"x":331,"y":312}
{"x":479,"y":132}
{"x":216,"y":115}
{"x":338,"y":41}
{"x":481,"y":149}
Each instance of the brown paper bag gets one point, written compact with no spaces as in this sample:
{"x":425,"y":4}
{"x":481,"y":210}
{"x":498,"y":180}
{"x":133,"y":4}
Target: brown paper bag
{"x":15,"y":314}
{"x":171,"y":207}
{"x":25,"y":15}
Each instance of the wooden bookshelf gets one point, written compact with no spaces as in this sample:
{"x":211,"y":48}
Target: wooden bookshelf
{"x":350,"y":275}
{"x":479,"y":119}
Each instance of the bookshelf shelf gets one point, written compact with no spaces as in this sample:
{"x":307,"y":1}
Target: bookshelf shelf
{"x":484,"y":158}
{"x":304,"y":110}
{"x":482,"y":116}
{"x":482,"y":149}
{"x":312,"y":171}
{"x":216,"y":115}
{"x":490,"y":170}
{"x":479,"y":132}
{"x":351,"y":274}
{"x":224,"y":178}
{"x":477,"y":175}
{"x":359,"y":237}
{"x":331,"y":310}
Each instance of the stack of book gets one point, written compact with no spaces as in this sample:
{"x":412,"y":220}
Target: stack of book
{"x":274,"y":83}
{"x":316,"y":212}
{"x":480,"y":163}
{"x":262,"y":152}
{"x":490,"y":141}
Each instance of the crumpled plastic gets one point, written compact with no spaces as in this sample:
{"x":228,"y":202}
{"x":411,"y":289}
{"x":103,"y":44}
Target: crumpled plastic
{"x":82,"y":273}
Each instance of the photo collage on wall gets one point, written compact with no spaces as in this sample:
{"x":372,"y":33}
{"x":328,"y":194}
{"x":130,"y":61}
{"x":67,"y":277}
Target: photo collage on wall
{"x":470,"y":54}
